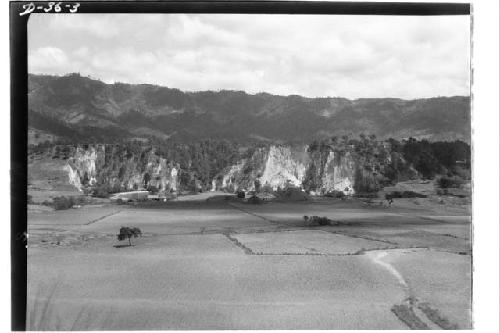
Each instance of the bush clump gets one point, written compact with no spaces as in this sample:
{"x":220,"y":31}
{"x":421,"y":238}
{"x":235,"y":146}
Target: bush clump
{"x":405,"y":194}
{"x":105,"y":190}
{"x":366,"y":195}
{"x":61,"y":203}
{"x":316,"y":220}
{"x":335,"y":194}
{"x":449,"y":182}
{"x":255,"y":200}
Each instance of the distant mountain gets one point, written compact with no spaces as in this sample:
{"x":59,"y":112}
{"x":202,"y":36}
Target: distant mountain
{"x":80,"y":108}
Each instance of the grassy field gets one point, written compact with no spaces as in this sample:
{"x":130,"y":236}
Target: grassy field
{"x":226,"y":265}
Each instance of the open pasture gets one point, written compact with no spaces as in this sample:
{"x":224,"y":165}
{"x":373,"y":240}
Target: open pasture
{"x":221,"y":265}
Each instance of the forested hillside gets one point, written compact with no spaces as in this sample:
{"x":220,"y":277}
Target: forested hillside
{"x":79,"y":109}
{"x":351,"y":165}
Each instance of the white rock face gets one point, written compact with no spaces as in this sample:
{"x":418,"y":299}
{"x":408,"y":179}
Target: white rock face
{"x":338,"y":174}
{"x":229,"y":180}
{"x":282,"y":167}
{"x":83,"y":163}
{"x":120,"y":171}
{"x":74,"y":178}
{"x":173,"y":179}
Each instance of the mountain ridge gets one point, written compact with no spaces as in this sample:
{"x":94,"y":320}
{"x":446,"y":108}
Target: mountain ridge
{"x":78,"y":108}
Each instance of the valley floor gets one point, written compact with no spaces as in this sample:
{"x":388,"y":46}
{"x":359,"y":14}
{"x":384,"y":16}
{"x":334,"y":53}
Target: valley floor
{"x":230,"y":265}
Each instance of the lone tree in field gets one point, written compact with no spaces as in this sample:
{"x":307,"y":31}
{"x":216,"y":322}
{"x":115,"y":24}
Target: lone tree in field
{"x":126,"y":232}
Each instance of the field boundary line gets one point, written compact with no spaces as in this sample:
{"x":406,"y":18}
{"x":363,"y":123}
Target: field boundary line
{"x":256,"y":215}
{"x":102,"y":217}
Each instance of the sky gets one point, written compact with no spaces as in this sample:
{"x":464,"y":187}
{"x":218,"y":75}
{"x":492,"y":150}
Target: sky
{"x":310,"y":55}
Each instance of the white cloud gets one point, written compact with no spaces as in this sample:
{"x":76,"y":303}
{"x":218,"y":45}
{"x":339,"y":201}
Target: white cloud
{"x":47,"y":58}
{"x":324,"y":55}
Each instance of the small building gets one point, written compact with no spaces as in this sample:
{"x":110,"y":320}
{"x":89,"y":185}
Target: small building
{"x":154,"y":197}
{"x":130,"y":196}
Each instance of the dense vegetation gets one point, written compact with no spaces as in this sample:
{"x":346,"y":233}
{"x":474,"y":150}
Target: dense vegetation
{"x":432,"y":158}
{"x":379,"y":163}
{"x":391,"y":161}
{"x":200,"y":161}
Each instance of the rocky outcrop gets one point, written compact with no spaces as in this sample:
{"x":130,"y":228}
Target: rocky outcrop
{"x":318,"y":172}
{"x":316,"y":169}
{"x":331,"y":171}
{"x":270,"y":167}
{"x":284,"y":165}
{"x":120,"y":170}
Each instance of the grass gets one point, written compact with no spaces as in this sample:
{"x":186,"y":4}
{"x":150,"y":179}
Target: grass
{"x":406,"y":315}
{"x":436,"y":317}
{"x":41,"y":313}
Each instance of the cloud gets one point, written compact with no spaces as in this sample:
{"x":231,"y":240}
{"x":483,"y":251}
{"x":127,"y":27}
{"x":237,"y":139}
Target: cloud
{"x":47,"y":58}
{"x":323,"y":55}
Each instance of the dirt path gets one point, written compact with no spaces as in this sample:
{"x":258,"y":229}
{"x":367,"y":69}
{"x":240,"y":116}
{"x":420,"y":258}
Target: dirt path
{"x":377,"y":256}
{"x":412,"y":312}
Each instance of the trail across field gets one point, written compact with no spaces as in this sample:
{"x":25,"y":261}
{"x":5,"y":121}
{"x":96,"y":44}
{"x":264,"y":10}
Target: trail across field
{"x":220,"y":265}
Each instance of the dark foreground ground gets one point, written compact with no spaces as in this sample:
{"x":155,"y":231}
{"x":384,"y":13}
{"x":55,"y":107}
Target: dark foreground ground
{"x":226,"y":265}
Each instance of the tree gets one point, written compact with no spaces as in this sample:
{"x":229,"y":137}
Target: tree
{"x":257,"y":185}
{"x":127,"y":233}
{"x":147,"y":178}
{"x":86,"y":179}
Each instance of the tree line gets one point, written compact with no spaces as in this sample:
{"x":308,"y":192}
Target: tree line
{"x":200,"y":162}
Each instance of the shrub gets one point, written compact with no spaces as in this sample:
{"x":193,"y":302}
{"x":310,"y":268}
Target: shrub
{"x":447,"y":182}
{"x":60,"y":203}
{"x":266,"y":188}
{"x":63,"y":202}
{"x":255,"y":200}
{"x":411,"y":194}
{"x":136,"y":232}
{"x":441,"y":192}
{"x":322,"y":220}
{"x":153,"y":189}
{"x":240,"y":194}
{"x":405,"y":194}
{"x":100,"y":192}
{"x":335,"y":194}
{"x":316,"y":220}
{"x":104,"y":190}
{"x":366,"y":195}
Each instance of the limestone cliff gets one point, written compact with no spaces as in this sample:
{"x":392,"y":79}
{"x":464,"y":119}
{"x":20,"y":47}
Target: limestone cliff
{"x":119,"y":169}
{"x":316,"y":171}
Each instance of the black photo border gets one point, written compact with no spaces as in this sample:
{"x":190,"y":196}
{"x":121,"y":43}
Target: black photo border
{"x":19,"y":87}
